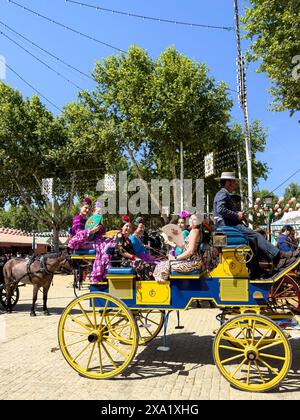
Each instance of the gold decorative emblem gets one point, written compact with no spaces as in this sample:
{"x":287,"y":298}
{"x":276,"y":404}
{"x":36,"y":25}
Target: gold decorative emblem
{"x":152,"y":293}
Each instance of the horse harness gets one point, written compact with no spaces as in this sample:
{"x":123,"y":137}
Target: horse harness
{"x":43,"y":269}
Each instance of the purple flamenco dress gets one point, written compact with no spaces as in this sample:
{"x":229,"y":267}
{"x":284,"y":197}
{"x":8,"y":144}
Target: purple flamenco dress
{"x":83,"y":240}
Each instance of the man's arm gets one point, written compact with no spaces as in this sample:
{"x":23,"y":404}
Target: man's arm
{"x":222,"y":209}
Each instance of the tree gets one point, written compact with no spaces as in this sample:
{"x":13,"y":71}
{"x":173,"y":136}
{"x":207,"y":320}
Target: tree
{"x":150,"y":106}
{"x":18,"y":217}
{"x":292,"y":190}
{"x":274,"y":27}
{"x":35,"y":145}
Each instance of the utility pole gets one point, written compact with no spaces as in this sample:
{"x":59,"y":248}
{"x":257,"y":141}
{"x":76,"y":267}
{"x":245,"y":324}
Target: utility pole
{"x":240,"y":179}
{"x":243,"y":102}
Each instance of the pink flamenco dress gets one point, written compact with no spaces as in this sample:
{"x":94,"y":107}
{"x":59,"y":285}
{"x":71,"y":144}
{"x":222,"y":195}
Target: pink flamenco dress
{"x":83,"y":240}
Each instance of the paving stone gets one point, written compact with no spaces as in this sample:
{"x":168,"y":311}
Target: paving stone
{"x":33,"y":368}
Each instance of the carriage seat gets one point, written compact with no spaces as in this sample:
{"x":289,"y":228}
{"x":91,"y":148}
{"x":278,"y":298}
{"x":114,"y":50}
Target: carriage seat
{"x":234,"y":236}
{"x":84,"y":252}
{"x":121,"y":271}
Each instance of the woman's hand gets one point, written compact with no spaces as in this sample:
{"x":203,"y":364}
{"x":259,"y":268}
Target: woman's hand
{"x":171,"y":258}
{"x":95,"y":229}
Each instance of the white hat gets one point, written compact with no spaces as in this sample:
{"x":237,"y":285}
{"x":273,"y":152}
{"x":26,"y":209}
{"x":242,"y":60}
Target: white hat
{"x":227,"y":175}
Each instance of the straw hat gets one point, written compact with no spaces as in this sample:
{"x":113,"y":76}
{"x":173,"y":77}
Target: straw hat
{"x":227,"y":175}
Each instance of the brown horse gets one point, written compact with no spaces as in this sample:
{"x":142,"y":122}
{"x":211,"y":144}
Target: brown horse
{"x":37,"y":271}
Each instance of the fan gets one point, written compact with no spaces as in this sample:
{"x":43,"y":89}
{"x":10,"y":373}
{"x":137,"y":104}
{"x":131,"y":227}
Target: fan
{"x":173,"y":233}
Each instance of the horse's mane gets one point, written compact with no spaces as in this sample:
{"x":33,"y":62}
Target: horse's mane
{"x":52,"y":255}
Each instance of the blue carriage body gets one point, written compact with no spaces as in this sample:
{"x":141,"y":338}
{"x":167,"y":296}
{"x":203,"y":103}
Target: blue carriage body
{"x":228,"y":285}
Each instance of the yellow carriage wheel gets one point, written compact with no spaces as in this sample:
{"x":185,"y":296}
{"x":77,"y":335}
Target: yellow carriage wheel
{"x":91,"y":338}
{"x":252,"y":352}
{"x":149,"y":323}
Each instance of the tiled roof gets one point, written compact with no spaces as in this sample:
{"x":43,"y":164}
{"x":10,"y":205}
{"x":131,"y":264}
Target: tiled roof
{"x":9,"y":235}
{"x":10,"y":231}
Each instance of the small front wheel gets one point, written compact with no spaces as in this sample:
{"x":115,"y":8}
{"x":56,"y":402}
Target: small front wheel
{"x":98,"y":335}
{"x":252,"y":352}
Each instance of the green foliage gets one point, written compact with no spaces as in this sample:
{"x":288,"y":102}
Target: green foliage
{"x":18,"y":217}
{"x":149,"y":106}
{"x":292,"y":190}
{"x":274,"y":28}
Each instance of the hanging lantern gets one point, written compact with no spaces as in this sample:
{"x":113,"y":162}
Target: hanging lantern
{"x":255,"y":206}
{"x":297,"y":205}
{"x":290,"y":202}
{"x":258,"y":214}
{"x":276,"y":207}
{"x":293,"y":199}
{"x":257,"y":200}
{"x":287,"y":206}
{"x":290,"y":209}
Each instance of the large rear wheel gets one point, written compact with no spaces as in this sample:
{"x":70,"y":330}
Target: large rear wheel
{"x":252,"y":352}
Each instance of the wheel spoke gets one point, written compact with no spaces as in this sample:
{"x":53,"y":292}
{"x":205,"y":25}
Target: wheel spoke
{"x":232,"y":358}
{"x":91,"y":355}
{"x":114,"y":316}
{"x":76,"y":332}
{"x":108,"y":355}
{"x":229,"y":337}
{"x":74,"y":342}
{"x":259,"y":371}
{"x":238,"y":368}
{"x":79,"y":354}
{"x":271,"y":356}
{"x":242,"y":331}
{"x":94,"y":312}
{"x":103,"y":312}
{"x":85,"y":314}
{"x":79,"y":322}
{"x":231,"y":348}
{"x":268,"y":366}
{"x":262,"y":337}
{"x":248,"y":373}
{"x":117,"y":348}
{"x":267,"y":346}
{"x":100,"y":358}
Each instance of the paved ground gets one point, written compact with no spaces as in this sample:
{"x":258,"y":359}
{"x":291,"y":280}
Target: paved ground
{"x":32,"y":368}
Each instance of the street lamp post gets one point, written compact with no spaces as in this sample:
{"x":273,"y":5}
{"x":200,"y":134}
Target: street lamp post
{"x":268,"y":213}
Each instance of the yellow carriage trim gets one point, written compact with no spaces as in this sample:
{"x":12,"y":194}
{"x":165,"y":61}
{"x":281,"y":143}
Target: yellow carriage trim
{"x":152,"y":293}
{"x":230,"y":266}
{"x":234,"y":290}
{"x":121,"y":286}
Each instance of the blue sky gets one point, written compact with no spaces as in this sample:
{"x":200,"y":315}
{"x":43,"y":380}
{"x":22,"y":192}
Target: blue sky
{"x":214,"y":47}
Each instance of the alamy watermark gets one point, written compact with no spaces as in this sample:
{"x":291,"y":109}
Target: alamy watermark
{"x":296,"y":69}
{"x":2,"y":68}
{"x":120,"y":196}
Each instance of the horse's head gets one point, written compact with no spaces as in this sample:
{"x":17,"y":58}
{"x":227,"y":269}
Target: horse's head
{"x":66,"y":264}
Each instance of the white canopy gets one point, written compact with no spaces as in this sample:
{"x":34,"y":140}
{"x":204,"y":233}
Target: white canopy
{"x":290,"y":218}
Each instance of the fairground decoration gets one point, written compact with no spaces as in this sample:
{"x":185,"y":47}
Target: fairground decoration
{"x":278,"y":210}
{"x":110,"y":182}
{"x":47,"y":186}
{"x":209,"y":165}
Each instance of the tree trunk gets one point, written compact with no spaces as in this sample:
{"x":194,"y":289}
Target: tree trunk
{"x":55,"y":239}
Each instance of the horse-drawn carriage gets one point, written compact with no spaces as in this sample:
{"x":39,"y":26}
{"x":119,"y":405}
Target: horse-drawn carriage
{"x":99,"y":332}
